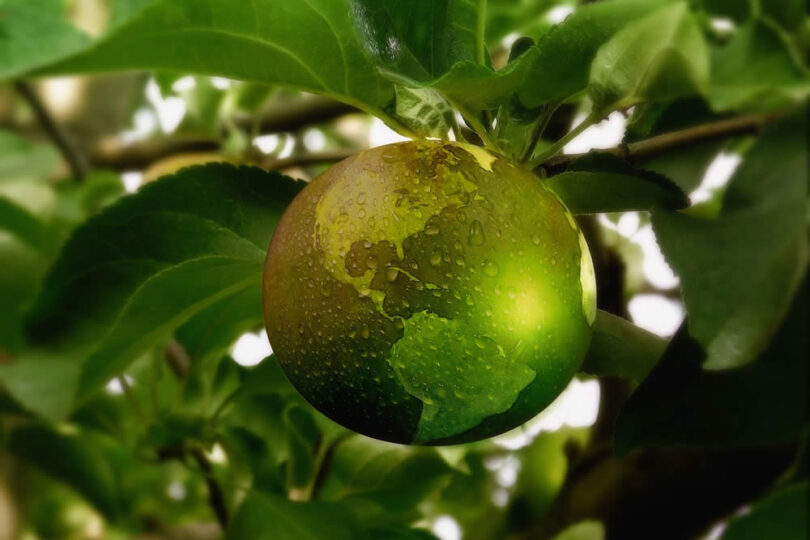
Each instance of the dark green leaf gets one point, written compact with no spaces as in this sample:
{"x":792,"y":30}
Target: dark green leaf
{"x":270,"y":41}
{"x":619,"y":347}
{"x":395,"y":477}
{"x":140,"y":268}
{"x":603,"y":183}
{"x":266,"y":517}
{"x":566,"y":52}
{"x":211,"y":331}
{"x":739,"y":271}
{"x":757,"y":70}
{"x":419,"y":40}
{"x":658,"y":57}
{"x":70,"y":458}
{"x":761,"y":403}
{"x":782,"y":515}
{"x":399,"y":533}
{"x":788,"y":13}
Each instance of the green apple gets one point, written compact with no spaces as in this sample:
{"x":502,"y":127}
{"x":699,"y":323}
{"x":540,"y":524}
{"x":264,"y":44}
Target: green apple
{"x":429,"y":293}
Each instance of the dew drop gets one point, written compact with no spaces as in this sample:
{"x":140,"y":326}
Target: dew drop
{"x":432,"y":230}
{"x":491,"y":268}
{"x":476,"y":236}
{"x":391,"y":273}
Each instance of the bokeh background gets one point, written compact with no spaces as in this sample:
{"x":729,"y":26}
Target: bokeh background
{"x":130,"y":129}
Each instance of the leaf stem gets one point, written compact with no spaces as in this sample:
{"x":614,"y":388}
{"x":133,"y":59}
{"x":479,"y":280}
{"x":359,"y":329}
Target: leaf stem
{"x":477,"y":126}
{"x":539,"y":128}
{"x":550,"y":152}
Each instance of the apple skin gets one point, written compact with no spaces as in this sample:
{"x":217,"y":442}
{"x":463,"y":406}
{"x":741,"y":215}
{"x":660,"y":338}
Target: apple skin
{"x":428,"y":292}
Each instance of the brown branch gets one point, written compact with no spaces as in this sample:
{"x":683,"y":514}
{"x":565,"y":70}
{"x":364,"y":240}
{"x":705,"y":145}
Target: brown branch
{"x":314,"y":158}
{"x":177,"y":358}
{"x":215,"y":496}
{"x":285,"y":116}
{"x":738,"y":125}
{"x":74,"y":158}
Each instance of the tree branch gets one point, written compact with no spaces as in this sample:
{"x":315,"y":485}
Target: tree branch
{"x":738,"y":125}
{"x":313,"y":158}
{"x":215,"y":496}
{"x":74,"y":158}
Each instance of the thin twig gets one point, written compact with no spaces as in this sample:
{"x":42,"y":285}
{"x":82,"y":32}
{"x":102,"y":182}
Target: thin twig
{"x":177,"y":358}
{"x":215,"y":496}
{"x":75,"y":159}
{"x":552,"y":150}
{"x":313,"y":158}
{"x":659,"y":144}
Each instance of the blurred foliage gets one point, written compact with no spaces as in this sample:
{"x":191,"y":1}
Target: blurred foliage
{"x":122,"y":411}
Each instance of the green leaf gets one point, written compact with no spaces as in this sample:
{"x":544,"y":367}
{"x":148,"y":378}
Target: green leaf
{"x":395,"y":477}
{"x":604,"y":183}
{"x":143,"y":266}
{"x":34,"y":33}
{"x":544,"y":467}
{"x":265,"y":517}
{"x":419,"y":40}
{"x":659,"y":57}
{"x":619,"y":347}
{"x":788,"y":13}
{"x":739,"y":271}
{"x":680,"y":403}
{"x":71,"y":458}
{"x":524,"y":17}
{"x":478,"y":87}
{"x":424,"y":111}
{"x":212,"y":330}
{"x":757,"y":70}
{"x":584,"y":530}
{"x":26,"y":227}
{"x":782,"y":515}
{"x":566,"y":52}
{"x":284,"y":42}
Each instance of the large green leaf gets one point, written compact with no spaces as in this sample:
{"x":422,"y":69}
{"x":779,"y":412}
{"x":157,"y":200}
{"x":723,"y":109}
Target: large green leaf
{"x":420,"y":39}
{"x":782,"y":515}
{"x":307,"y":44}
{"x":71,"y":458}
{"x":266,"y":517}
{"x":34,"y":33}
{"x":395,"y":477}
{"x":680,"y":403}
{"x":619,"y":347}
{"x":757,"y":70}
{"x":739,"y":271}
{"x":604,"y":183}
{"x":566,"y":52}
{"x":136,"y":271}
{"x":661,"y":56}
